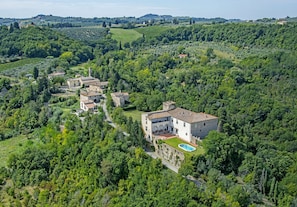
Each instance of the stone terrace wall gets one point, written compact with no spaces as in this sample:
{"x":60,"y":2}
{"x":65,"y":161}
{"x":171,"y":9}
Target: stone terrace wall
{"x":170,"y":154}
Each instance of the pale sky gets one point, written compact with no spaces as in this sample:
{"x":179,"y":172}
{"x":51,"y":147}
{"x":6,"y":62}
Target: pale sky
{"x":229,"y":9}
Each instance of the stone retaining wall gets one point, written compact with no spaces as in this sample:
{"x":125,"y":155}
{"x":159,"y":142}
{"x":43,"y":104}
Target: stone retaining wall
{"x":170,"y":154}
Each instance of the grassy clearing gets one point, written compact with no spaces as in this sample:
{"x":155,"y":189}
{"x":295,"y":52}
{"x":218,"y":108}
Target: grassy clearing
{"x":153,"y":31}
{"x":174,"y":142}
{"x":124,"y":35}
{"x":135,"y":114}
{"x":12,"y":145}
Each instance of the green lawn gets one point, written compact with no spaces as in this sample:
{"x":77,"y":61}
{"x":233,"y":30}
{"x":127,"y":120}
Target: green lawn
{"x":12,"y":145}
{"x":174,"y":142}
{"x":124,"y":35}
{"x":153,"y":31}
{"x":135,"y":114}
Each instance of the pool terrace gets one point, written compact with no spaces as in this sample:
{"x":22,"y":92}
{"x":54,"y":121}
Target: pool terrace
{"x":174,"y":142}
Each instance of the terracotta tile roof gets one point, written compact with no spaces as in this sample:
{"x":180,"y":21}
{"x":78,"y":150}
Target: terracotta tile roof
{"x":159,"y":114}
{"x":89,"y":93}
{"x":104,"y":83}
{"x":119,"y":94}
{"x":87,"y":101}
{"x":90,"y":82}
{"x":90,"y":105}
{"x":88,"y":78}
{"x":182,"y":55}
{"x":99,"y":83}
{"x":190,"y":116}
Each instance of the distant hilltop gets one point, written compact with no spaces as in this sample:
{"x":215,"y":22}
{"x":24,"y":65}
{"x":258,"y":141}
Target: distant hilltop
{"x":46,"y":20}
{"x":156,"y":16}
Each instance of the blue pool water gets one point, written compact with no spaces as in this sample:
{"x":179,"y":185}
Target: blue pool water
{"x":187,"y":147}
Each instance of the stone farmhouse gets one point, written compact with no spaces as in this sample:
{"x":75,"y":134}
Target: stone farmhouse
{"x":120,"y":98}
{"x":88,"y":106}
{"x":98,"y":87}
{"x":186,"y":125}
{"x":89,"y":100}
{"x":90,"y":82}
{"x":82,"y":81}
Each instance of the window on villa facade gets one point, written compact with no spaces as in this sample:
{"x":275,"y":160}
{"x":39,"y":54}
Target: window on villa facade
{"x":184,"y":124}
{"x":145,"y":128}
{"x":176,"y":121}
{"x":204,"y":124}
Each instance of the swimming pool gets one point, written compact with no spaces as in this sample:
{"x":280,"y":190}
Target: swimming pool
{"x":187,"y":147}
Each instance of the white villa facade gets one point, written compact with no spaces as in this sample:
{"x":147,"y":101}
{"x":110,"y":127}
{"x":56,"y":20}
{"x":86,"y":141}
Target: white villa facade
{"x":187,"y":125}
{"x":88,"y":106}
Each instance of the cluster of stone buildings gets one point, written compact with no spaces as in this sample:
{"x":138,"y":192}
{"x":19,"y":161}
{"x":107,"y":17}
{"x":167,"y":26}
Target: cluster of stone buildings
{"x":94,"y":84}
{"x":92,"y":90}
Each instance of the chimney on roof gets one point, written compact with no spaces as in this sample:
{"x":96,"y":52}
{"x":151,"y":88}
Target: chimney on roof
{"x":168,"y":105}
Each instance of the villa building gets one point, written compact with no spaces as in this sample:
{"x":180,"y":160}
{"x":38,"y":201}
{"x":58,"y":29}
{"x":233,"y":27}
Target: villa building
{"x":187,"y":125}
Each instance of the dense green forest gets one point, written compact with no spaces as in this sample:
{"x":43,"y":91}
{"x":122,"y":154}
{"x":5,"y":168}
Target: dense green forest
{"x":249,"y":161}
{"x":35,"y":42}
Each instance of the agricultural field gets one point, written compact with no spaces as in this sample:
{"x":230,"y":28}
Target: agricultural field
{"x":222,"y":50}
{"x":124,"y":35}
{"x":19,"y":63}
{"x":24,"y":66}
{"x":84,"y":33}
